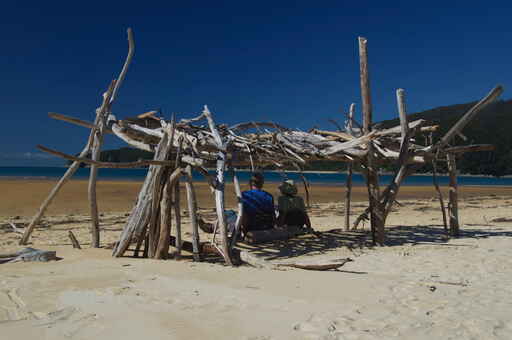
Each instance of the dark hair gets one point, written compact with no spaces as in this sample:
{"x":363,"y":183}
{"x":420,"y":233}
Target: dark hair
{"x":257,"y":180}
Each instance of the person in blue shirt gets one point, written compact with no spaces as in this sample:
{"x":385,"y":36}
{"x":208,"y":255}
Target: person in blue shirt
{"x":258,"y":206}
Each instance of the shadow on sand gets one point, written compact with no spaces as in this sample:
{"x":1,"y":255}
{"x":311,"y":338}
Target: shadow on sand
{"x":327,"y":241}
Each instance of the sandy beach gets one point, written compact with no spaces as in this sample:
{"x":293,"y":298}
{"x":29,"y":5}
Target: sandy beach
{"x":421,"y":286}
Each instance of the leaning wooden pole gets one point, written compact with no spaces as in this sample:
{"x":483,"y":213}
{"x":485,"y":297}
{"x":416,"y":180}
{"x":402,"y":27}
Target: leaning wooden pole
{"x":403,"y":158}
{"x":453,"y":210}
{"x":67,"y":175}
{"x":350,"y":169}
{"x":192,"y":211}
{"x":372,"y":178}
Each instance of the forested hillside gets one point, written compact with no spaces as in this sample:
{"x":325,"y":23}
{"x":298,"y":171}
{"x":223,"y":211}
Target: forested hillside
{"x":491,"y":126}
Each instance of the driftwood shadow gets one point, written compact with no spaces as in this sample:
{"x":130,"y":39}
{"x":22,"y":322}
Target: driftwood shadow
{"x":330,"y":240}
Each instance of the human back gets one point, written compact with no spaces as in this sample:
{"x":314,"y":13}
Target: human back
{"x":258,"y":206}
{"x":292,"y":210}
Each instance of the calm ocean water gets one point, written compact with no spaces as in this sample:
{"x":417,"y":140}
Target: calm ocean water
{"x":314,"y":178}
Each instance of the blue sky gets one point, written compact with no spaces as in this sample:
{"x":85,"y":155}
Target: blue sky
{"x":293,"y":62}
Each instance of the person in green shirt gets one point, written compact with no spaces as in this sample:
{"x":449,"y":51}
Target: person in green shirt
{"x":292,"y":210}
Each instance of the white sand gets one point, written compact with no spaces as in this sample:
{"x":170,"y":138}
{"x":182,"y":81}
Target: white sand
{"x":420,"y":287}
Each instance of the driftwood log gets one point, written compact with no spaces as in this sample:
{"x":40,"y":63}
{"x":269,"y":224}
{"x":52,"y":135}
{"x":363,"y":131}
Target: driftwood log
{"x":29,"y":255}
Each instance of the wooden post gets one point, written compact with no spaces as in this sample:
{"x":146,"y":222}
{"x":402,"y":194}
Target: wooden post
{"x":219,"y":186}
{"x":439,"y":193}
{"x":453,"y":210}
{"x":376,"y":218}
{"x":177,"y":217}
{"x":350,"y":169}
{"x":166,"y":206}
{"x":348,"y":194}
{"x":162,"y":248}
{"x":192,"y":211}
{"x":239,"y":217}
{"x":98,"y":132}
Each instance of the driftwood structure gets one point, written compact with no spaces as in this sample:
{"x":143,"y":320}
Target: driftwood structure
{"x":190,"y":144}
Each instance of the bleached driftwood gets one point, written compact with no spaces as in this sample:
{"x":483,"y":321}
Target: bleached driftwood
{"x":219,"y":185}
{"x":98,"y":132}
{"x":372,"y":176}
{"x":29,"y":255}
{"x":453,"y":211}
{"x":192,"y":211}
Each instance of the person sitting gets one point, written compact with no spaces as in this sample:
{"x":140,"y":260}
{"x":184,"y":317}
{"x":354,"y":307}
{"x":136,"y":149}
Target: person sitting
{"x":258,"y":206}
{"x":292,"y":211}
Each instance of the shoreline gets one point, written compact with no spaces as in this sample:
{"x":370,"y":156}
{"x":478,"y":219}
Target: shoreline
{"x":24,"y":197}
{"x":298,"y":182}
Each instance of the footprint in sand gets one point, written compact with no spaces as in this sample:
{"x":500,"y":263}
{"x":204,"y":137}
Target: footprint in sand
{"x":12,"y":306}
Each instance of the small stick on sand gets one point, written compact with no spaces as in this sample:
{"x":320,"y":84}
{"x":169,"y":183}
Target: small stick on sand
{"x":74,"y":241}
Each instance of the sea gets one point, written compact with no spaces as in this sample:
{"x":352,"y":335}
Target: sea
{"x":320,"y":178}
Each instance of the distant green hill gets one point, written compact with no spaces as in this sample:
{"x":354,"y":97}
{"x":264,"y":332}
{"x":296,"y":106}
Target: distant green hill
{"x":125,"y":154}
{"x":491,"y":126}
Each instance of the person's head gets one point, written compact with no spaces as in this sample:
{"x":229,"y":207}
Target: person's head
{"x":256,"y":181}
{"x":288,"y":188}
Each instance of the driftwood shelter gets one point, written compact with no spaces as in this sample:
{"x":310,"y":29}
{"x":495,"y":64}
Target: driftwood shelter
{"x":182,"y":146}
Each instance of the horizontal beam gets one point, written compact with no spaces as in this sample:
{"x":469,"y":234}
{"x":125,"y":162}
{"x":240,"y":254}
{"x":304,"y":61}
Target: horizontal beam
{"x":74,"y":121}
{"x":136,"y":164}
{"x":470,"y":148}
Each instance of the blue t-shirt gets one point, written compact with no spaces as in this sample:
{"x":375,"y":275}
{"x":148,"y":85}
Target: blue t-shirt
{"x":257,"y":202}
